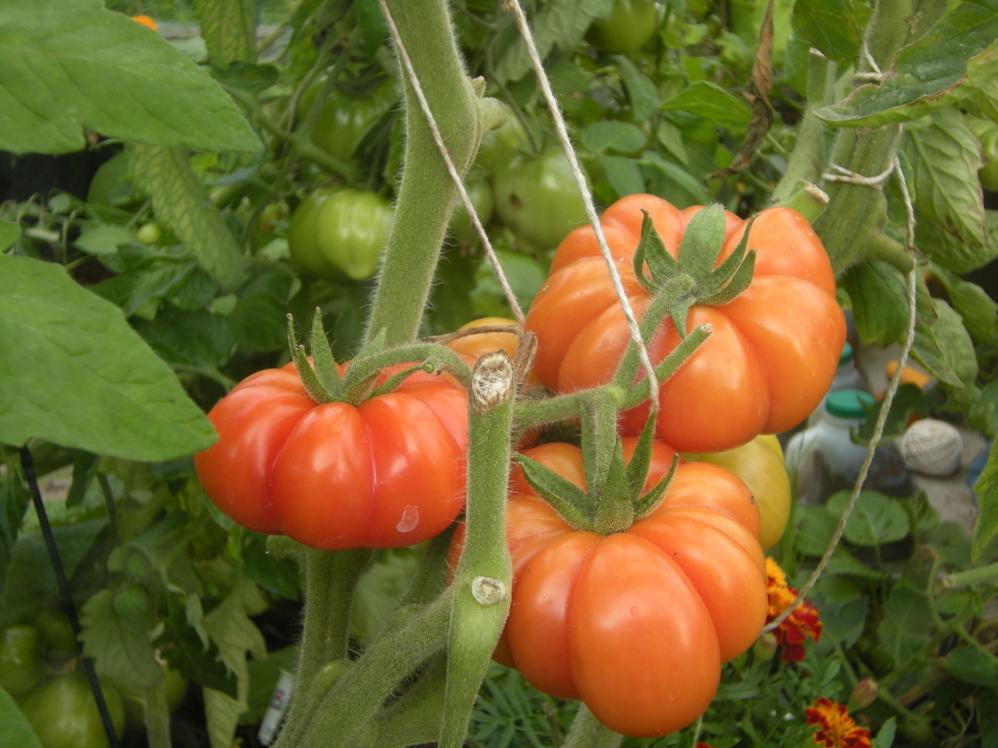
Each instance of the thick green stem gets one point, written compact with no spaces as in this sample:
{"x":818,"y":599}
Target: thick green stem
{"x":484,"y":576}
{"x":971,"y":577}
{"x":852,"y":225}
{"x":426,"y":194}
{"x":329,"y":584}
{"x":589,"y":732}
{"x":360,"y":693}
{"x":809,"y":157}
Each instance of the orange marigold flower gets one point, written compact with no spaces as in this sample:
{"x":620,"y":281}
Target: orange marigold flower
{"x":836,"y":728}
{"x":146,"y":21}
{"x":801,"y":624}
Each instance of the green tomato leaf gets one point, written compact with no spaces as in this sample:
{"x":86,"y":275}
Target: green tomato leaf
{"x":680,"y":186}
{"x":885,"y":735}
{"x":258,"y":319}
{"x":103,"y":239}
{"x":983,"y":414}
{"x":943,"y":345}
{"x":710,"y":101}
{"x":986,"y":489}
{"x":180,"y":202}
{"x":17,"y":732}
{"x":75,"y":374}
{"x":558,"y":23}
{"x":877,"y":519}
{"x":229,"y":30}
{"x":612,"y":135}
{"x":9,"y":233}
{"x":231,"y":629}
{"x":222,"y":712}
{"x":641,"y":90}
{"x":148,"y":277}
{"x":378,"y":592}
{"x":115,"y":634}
{"x":831,"y":26}
{"x":967,"y":664}
{"x":879,"y":306}
{"x":944,"y":157}
{"x":906,"y":625}
{"x":978,"y":310}
{"x":623,"y":175}
{"x":198,"y":339}
{"x":61,"y":72}
{"x":31,"y":584}
{"x":924,"y":78}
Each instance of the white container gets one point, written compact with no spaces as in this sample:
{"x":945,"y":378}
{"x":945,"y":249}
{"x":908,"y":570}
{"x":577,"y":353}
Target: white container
{"x":847,"y":377}
{"x":823,"y":459}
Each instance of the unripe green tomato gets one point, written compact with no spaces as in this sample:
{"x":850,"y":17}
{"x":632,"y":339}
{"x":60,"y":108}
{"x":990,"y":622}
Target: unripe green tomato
{"x":344,"y":120}
{"x":57,"y":635}
{"x":480,"y":192}
{"x":20,"y":658}
{"x":63,"y":713}
{"x":149,"y":233}
{"x":538,"y":198}
{"x":338,"y":231}
{"x":630,"y":24}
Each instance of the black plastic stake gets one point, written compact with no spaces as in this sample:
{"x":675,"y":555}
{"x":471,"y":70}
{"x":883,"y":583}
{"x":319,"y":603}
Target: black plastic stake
{"x":28,"y":465}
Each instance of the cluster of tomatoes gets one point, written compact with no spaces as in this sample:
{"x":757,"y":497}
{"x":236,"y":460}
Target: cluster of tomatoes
{"x":636,"y":623}
{"x":38,"y":668}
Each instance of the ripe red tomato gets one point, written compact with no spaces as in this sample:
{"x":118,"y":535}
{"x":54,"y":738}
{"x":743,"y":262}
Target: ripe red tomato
{"x":768,"y":362}
{"x":386,"y":473}
{"x":636,"y":623}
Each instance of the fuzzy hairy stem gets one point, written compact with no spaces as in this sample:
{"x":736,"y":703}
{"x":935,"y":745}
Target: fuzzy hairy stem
{"x":484,"y":576}
{"x":426,"y":194}
{"x":851,"y":227}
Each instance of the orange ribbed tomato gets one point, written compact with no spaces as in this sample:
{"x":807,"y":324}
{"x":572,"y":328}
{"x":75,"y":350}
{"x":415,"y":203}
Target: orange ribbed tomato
{"x":768,"y":362}
{"x":383,"y":474}
{"x":636,"y":623}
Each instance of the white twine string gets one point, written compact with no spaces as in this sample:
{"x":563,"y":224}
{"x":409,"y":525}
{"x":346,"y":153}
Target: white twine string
{"x":878,"y":429}
{"x":840,"y":174}
{"x":874,"y":75}
{"x":449,"y":162}
{"x":587,"y":198}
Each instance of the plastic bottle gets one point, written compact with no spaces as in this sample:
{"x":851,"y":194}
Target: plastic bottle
{"x":823,"y":459}
{"x":847,"y":377}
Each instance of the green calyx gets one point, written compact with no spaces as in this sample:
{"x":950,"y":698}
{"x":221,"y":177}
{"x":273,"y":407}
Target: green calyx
{"x":693,"y":278}
{"x":615,"y":498}
{"x":324,"y":383}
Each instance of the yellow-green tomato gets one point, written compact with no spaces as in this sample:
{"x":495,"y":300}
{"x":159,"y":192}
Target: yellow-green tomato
{"x":538,"y":198}
{"x":339,"y":231}
{"x":63,"y":713}
{"x":480,"y":192}
{"x":759,"y":464}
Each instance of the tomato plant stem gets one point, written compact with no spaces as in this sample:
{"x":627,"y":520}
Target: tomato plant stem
{"x":852,"y":225}
{"x":357,"y":697}
{"x":426,"y":195}
{"x":484,"y":577}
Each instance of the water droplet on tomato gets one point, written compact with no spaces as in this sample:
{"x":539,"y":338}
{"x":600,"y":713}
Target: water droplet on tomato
{"x":409,"y":520}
